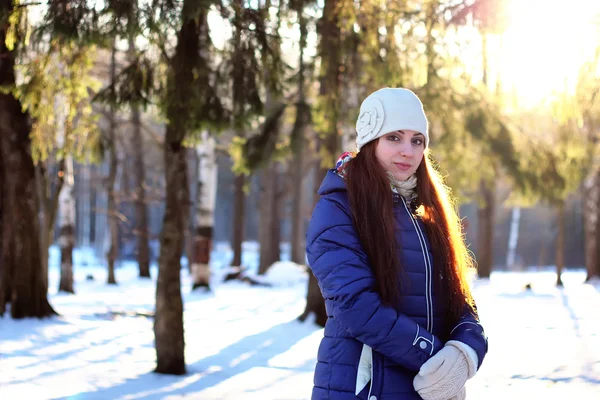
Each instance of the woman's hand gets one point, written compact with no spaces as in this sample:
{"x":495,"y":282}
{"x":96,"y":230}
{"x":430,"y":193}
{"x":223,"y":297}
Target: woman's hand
{"x":444,"y":375}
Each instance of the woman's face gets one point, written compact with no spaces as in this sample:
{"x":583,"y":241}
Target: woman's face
{"x":400,"y":152}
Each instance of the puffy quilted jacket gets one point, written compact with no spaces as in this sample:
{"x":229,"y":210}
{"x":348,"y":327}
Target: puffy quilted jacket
{"x":369,"y":350}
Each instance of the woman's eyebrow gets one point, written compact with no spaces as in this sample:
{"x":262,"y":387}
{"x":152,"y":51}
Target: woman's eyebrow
{"x":415,"y":135}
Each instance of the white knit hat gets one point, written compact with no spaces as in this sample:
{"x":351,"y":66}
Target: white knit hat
{"x":389,"y":110}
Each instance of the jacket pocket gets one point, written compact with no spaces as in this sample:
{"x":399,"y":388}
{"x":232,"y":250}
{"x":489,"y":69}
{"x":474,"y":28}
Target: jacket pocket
{"x":364,"y":373}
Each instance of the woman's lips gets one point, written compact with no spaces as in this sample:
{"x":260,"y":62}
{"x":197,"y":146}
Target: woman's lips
{"x":402,"y":166}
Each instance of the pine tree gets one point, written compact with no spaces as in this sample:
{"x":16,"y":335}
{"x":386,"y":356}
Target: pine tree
{"x":22,"y":283}
{"x":190,"y":103}
{"x":327,"y":120}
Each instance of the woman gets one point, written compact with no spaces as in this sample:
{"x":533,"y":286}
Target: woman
{"x":385,"y":245}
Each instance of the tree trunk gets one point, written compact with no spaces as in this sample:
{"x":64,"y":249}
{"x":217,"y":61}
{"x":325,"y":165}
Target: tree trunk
{"x":314,"y":302}
{"x":42,"y":187}
{"x":329,"y":87}
{"x":168,"y":321}
{"x":270,"y":201}
{"x":194,"y":176}
{"x":82,"y":193}
{"x":298,"y":141}
{"x":66,"y":237}
{"x":329,"y":91}
{"x":485,"y":212}
{"x":484,"y":59}
{"x":265,"y":210}
{"x":591,"y":223}
{"x":93,"y":177}
{"x":239,"y":217}
{"x":270,"y":218}
{"x":113,"y":221}
{"x":275,"y":236}
{"x":560,"y":242}
{"x":269,"y":212}
{"x":141,"y":211}
{"x":48,"y":204}
{"x":431,"y":20}
{"x":21,"y":270}
{"x":4,"y":298}
{"x":206,"y":197}
{"x":485,"y":232}
{"x":51,"y":204}
{"x":513,"y":238}
{"x":297,"y":220}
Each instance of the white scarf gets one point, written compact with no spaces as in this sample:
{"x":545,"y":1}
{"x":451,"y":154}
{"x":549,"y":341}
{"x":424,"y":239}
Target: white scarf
{"x":407,"y":188}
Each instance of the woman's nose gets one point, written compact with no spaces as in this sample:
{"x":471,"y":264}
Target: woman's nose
{"x":406,"y":150}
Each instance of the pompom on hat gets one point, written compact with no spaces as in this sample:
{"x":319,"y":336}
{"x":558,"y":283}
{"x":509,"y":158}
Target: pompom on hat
{"x":389,"y":110}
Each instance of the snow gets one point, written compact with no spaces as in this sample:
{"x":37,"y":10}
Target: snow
{"x":286,"y":273}
{"x":244,"y":342}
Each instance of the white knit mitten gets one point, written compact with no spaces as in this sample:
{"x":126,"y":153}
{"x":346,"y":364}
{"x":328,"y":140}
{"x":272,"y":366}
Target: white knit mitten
{"x":462,"y":395}
{"x":444,"y":375}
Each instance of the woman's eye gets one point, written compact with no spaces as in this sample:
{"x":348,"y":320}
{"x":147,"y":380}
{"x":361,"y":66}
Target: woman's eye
{"x":418,"y":142}
{"x":393,"y":137}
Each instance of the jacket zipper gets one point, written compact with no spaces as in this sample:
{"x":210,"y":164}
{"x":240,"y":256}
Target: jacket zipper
{"x":428,"y":269}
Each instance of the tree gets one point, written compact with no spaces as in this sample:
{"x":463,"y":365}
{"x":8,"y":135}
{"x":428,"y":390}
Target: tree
{"x":270,"y":210}
{"x":77,"y":116}
{"x":111,"y":144}
{"x":190,"y":103}
{"x":557,"y":162}
{"x":66,"y":225}
{"x":57,"y":94}
{"x":254,"y":63}
{"x":327,"y":120}
{"x":140,"y":228}
{"x":22,"y":283}
{"x":298,"y":138}
{"x":489,"y":17}
{"x":272,"y":188}
{"x":353,"y":63}
{"x":252,"y":154}
{"x":56,"y":91}
{"x":134,"y":89}
{"x":587,"y":100}
{"x":244,"y":67}
{"x":206,"y":194}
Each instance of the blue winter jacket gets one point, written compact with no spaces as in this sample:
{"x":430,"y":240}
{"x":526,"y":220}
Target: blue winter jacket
{"x":369,"y":350}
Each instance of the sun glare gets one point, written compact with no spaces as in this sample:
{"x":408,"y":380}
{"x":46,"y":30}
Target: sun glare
{"x":545,"y":44}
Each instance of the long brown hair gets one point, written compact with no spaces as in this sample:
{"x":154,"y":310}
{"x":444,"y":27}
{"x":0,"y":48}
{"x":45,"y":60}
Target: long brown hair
{"x":373,"y":216}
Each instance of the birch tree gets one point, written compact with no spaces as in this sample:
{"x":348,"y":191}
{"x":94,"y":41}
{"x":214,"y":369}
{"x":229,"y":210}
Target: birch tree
{"x":66,"y":224}
{"x":206,"y":196}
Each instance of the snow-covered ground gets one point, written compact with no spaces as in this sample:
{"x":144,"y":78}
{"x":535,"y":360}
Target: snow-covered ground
{"x":244,"y":342}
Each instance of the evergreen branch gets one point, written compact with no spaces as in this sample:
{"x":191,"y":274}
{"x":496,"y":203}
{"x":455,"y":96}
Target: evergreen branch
{"x":24,"y":5}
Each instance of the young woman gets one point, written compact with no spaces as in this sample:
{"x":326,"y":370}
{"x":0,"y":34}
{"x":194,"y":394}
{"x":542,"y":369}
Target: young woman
{"x":386,"y":247}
